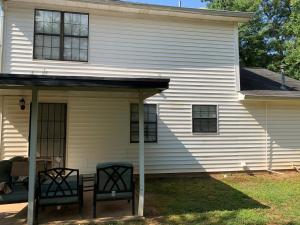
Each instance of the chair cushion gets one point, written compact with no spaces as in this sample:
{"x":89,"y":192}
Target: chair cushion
{"x":59,"y":192}
{"x":58,"y":201}
{"x":5,"y":169}
{"x":20,"y":194}
{"x":109,"y":196}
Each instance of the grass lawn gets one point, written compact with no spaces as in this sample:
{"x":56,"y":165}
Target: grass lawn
{"x":216,"y":200}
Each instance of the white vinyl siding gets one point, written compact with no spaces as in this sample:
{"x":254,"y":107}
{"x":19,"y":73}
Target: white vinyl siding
{"x":199,"y":58}
{"x":283,"y":135}
{"x":98,"y":131}
{"x":129,"y":47}
{"x":15,"y":124}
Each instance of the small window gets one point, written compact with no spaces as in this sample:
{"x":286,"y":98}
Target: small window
{"x":205,"y":119}
{"x":150,"y":123}
{"x":61,"y":35}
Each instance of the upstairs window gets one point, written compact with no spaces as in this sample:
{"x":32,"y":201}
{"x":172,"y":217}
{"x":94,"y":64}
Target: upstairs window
{"x":61,"y":35}
{"x":205,"y":119}
{"x":150,"y":123}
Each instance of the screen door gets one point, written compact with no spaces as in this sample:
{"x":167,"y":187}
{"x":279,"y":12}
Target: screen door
{"x":51,"y":143}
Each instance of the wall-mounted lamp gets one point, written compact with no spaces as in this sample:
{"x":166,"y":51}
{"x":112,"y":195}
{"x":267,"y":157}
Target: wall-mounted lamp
{"x":22,"y":103}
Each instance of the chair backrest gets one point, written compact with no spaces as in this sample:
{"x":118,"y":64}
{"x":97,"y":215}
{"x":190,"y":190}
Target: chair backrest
{"x":116,"y":177}
{"x":58,"y":182}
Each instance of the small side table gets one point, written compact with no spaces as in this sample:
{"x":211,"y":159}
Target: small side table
{"x":88,"y":181}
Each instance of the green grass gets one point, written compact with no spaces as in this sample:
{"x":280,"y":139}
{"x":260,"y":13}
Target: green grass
{"x":239,"y":199}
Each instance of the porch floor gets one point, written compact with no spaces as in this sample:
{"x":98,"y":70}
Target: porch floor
{"x":106,"y":211}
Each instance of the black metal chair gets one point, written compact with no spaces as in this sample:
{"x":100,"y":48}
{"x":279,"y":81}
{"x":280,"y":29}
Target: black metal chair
{"x":59,"y":186}
{"x":114,"y":181}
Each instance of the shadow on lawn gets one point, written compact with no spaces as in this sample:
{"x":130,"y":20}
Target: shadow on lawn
{"x":176,"y":196}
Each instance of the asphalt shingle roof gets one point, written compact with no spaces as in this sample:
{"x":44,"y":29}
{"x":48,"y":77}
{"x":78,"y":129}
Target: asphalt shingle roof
{"x":263,"y":82}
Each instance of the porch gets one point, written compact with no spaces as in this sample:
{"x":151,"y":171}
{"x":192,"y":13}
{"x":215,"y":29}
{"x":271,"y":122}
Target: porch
{"x":106,"y":212}
{"x":130,"y":88}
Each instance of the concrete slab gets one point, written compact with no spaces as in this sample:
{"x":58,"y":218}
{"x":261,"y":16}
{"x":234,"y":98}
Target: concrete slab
{"x":69,"y":214}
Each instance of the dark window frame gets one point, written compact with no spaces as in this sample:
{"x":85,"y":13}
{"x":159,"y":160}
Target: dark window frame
{"x":61,"y":35}
{"x":145,"y":122}
{"x":206,"y":118}
{"x":65,"y":126}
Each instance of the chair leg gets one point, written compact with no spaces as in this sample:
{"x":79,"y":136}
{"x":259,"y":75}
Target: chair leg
{"x":94,"y":208}
{"x":133,"y":206}
{"x":79,"y":208}
{"x":36,"y":212}
{"x":81,"y":196}
{"x":81,"y":202}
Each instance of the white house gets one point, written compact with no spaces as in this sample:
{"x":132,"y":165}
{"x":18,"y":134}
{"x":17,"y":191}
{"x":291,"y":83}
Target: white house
{"x":90,"y":62}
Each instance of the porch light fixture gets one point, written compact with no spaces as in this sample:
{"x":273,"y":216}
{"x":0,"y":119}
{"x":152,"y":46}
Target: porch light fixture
{"x":22,"y":103}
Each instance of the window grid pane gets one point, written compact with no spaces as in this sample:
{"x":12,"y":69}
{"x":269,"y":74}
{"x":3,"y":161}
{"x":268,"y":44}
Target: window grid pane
{"x":47,"y":47}
{"x":150,"y":123}
{"x":47,"y":22}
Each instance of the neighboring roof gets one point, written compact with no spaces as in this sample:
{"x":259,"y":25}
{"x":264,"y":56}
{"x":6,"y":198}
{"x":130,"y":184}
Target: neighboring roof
{"x":171,"y":10}
{"x":84,"y":82}
{"x":259,"y":82}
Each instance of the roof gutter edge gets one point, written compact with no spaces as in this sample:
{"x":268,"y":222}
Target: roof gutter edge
{"x":252,"y":97}
{"x":156,"y":10}
{"x":220,"y":15}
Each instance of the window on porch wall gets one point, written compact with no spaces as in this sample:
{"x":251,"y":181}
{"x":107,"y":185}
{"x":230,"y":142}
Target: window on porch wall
{"x":150,"y":123}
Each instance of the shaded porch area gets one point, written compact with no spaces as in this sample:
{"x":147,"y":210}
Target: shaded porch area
{"x":106,"y":211}
{"x":138,"y":88}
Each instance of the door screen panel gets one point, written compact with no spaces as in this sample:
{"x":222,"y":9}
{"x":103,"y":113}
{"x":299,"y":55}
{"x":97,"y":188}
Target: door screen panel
{"x":52,"y":133}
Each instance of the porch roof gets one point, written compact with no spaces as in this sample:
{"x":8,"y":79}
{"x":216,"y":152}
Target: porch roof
{"x":85,"y":82}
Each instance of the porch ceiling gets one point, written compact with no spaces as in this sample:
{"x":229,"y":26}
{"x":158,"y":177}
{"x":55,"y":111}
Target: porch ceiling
{"x":81,"y":82}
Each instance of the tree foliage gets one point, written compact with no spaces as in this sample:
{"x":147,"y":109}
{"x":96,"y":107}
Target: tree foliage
{"x":271,"y":38}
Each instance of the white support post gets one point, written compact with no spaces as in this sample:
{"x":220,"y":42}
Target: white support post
{"x":141,"y":155}
{"x":32,"y":156}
